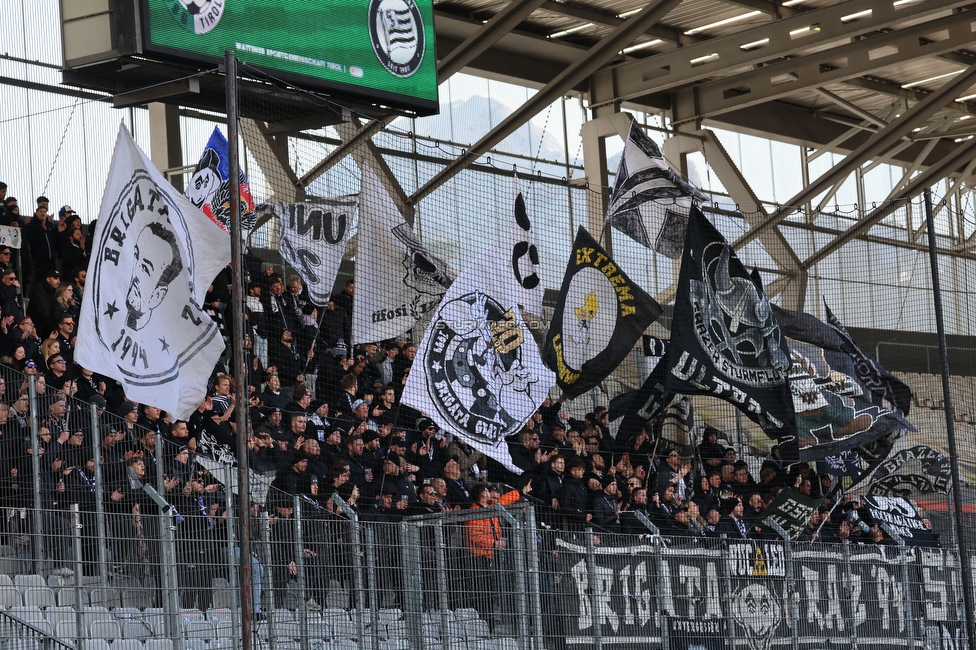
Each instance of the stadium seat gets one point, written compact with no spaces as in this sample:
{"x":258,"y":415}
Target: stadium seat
{"x":136,"y":629}
{"x":199,"y":630}
{"x":105,"y":630}
{"x":159,"y":644}
{"x":138,"y":598}
{"x":97,"y":644}
{"x":9,"y":597}
{"x":39,"y":596}
{"x":127,"y":644}
{"x":68,"y":595}
{"x":24,"y":581}
{"x":67,"y":629}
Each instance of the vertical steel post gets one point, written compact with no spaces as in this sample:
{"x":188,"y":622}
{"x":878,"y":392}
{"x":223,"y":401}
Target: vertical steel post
{"x":269,"y":570}
{"x":357,"y":564}
{"x":788,"y":601}
{"x":300,"y":564}
{"x":413,"y":581}
{"x":79,"y":609}
{"x":374,"y":591}
{"x":535,"y":588}
{"x":730,"y":628}
{"x":443,"y":602}
{"x":232,"y":549}
{"x":591,"y":588}
{"x":237,"y":345}
{"x":38,"y":531}
{"x":963,"y":544}
{"x":661,"y":614}
{"x":522,"y":625}
{"x":99,"y":505}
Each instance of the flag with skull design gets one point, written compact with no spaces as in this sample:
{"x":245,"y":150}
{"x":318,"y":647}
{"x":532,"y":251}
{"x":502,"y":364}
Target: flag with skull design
{"x":725,"y":341}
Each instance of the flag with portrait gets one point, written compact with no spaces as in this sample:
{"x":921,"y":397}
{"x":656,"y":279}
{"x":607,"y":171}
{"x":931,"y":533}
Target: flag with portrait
{"x":398,"y":280}
{"x":725,"y":341}
{"x":142,"y":321}
{"x":209,"y":186}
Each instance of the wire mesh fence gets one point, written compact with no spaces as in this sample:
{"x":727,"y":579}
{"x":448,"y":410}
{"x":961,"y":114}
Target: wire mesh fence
{"x":120,"y":524}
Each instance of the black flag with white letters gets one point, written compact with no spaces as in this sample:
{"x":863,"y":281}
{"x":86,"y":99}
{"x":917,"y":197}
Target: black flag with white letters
{"x":725,"y":341}
{"x":600,"y":315}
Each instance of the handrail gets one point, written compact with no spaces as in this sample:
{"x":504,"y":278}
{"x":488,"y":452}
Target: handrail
{"x":48,"y":640}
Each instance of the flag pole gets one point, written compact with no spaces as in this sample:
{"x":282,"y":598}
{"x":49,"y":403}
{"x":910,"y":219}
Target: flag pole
{"x":237,"y":343}
{"x":963,"y":545}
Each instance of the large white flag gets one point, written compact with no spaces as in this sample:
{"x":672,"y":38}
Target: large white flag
{"x":155,"y":256}
{"x":312,"y":238}
{"x":478,"y":372}
{"x":525,"y":259}
{"x":398,"y":281}
{"x":649,"y":201}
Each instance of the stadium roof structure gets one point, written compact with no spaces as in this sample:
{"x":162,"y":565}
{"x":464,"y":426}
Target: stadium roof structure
{"x":877,"y":81}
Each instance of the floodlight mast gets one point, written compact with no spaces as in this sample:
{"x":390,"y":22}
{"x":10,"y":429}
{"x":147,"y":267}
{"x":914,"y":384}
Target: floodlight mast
{"x":237,"y":343}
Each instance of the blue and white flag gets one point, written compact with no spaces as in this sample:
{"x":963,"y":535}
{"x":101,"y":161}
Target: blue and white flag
{"x":209,"y":187}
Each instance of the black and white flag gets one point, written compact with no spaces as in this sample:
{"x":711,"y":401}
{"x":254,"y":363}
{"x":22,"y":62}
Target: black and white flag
{"x":915,"y":469}
{"x":725,"y":341}
{"x":141,"y":318}
{"x":791,"y":510}
{"x":834,"y":410}
{"x":312,"y":238}
{"x":525,"y":259}
{"x":600,"y":315}
{"x":398,"y":281}
{"x":649,"y":201}
{"x":478,"y":373}
{"x":887,"y":391}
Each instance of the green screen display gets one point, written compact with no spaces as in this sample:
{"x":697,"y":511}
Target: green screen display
{"x":379,"y":49}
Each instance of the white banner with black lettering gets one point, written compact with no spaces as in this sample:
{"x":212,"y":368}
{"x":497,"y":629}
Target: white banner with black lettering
{"x":398,"y":281}
{"x":141,"y":318}
{"x":478,"y":372}
{"x":312,"y":238}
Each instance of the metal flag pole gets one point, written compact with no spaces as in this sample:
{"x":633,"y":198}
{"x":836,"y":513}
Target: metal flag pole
{"x":237,"y":342}
{"x":964,"y":558}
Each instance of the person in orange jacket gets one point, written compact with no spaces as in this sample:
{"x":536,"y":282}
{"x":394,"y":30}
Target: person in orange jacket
{"x":483,"y":537}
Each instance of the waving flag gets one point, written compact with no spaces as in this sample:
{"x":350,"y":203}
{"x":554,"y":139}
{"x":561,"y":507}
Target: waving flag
{"x":141,"y":318}
{"x":525,"y":259}
{"x":725,"y":341}
{"x":599,"y":316}
{"x":398,"y":281}
{"x":312,"y":238}
{"x":478,"y":372}
{"x":650,"y":202}
{"x":209,"y":187}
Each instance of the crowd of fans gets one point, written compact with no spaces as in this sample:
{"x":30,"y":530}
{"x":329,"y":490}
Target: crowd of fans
{"x":326,"y":419}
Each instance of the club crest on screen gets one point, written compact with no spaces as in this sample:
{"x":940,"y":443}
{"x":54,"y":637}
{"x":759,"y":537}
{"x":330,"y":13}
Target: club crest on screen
{"x":396,"y":29}
{"x":197,"y":16}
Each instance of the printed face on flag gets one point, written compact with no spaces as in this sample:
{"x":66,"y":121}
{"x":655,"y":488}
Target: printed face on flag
{"x":138,"y":242}
{"x":141,"y":321}
{"x":209,"y":187}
